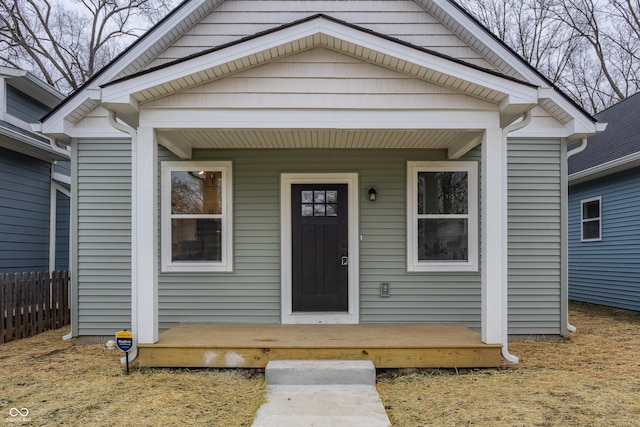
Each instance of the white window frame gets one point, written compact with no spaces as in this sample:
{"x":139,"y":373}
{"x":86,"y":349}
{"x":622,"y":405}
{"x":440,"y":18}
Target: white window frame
{"x":226,"y":263}
{"x":415,"y":265}
{"x":583,"y":220}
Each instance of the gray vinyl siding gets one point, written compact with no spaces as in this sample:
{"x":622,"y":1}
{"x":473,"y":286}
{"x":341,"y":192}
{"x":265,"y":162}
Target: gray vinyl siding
{"x":535,"y":189}
{"x":405,"y":20}
{"x":103,"y":245}
{"x":251,"y":294}
{"x":607,"y":272}
{"x":23,"y":106}
{"x":62,"y":231}
{"x":25,"y":185}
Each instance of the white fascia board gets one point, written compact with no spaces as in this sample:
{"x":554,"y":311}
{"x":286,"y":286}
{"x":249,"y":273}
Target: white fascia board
{"x":61,"y":129}
{"x":318,"y":119}
{"x":609,"y":168}
{"x":125,"y":104}
{"x":112,"y":70}
{"x":519,"y":92}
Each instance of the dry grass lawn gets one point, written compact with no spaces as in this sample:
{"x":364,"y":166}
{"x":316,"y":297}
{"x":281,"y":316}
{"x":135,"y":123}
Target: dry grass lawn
{"x":590,"y":379}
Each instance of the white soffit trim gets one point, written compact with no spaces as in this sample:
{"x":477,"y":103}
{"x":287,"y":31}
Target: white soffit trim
{"x":317,"y":32}
{"x":609,"y":168}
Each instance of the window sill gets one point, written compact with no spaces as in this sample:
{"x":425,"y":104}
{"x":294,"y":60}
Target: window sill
{"x":196,"y":267}
{"x":443,"y":267}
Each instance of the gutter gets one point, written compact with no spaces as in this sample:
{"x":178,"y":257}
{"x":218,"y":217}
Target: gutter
{"x":579,"y":149}
{"x":526,"y":119}
{"x":113,"y":121}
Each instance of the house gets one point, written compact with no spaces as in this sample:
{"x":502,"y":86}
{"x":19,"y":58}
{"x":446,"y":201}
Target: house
{"x":604,"y":212}
{"x":225,"y":167}
{"x":34,"y":179}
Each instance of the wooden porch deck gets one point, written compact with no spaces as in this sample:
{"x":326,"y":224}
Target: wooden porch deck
{"x":386,"y":345}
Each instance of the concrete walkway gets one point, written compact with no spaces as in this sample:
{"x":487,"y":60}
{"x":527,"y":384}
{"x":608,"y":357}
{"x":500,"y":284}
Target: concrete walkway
{"x":317,"y":393}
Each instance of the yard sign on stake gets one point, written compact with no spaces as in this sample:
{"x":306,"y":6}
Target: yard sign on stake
{"x":124,"y":341}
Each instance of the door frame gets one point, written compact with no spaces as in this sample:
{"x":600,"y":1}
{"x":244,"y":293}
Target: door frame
{"x":352,"y":315}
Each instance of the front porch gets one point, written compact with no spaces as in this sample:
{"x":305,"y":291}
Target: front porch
{"x":386,"y":345}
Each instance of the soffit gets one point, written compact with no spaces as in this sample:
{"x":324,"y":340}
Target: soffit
{"x":317,"y":138}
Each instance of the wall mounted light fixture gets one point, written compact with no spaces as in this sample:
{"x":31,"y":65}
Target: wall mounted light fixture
{"x":373,"y":194}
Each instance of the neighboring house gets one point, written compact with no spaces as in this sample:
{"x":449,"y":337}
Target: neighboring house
{"x":34,"y":179}
{"x":224,"y":167}
{"x":604,"y":212}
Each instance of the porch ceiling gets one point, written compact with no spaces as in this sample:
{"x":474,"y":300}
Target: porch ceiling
{"x":316,"y":138}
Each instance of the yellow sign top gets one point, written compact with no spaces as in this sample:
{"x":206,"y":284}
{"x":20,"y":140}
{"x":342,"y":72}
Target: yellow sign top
{"x":124,"y":334}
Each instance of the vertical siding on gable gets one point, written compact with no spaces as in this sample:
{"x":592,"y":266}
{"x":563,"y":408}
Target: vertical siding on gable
{"x":25,"y":185}
{"x":251,"y":294}
{"x":103,"y":244}
{"x":402,"y":19}
{"x":535,"y":229}
{"x":607,"y":272}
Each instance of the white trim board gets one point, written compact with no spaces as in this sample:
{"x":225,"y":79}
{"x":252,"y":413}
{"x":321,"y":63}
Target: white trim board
{"x":353,"y":313}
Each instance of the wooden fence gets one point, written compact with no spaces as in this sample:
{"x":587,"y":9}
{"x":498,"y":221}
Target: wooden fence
{"x":31,"y":303}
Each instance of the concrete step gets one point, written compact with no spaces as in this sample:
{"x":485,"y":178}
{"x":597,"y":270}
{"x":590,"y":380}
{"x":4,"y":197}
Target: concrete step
{"x":320,"y":372}
{"x":322,"y":406}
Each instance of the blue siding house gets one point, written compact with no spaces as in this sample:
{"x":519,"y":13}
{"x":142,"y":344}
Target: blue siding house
{"x":34,"y":179}
{"x":604,"y":212}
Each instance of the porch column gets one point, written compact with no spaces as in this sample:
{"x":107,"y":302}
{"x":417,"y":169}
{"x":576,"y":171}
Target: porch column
{"x":144,"y":235}
{"x":494,"y":235}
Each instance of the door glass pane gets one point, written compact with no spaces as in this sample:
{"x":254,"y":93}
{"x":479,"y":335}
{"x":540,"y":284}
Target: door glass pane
{"x":196,"y":240}
{"x":319,"y":203}
{"x":442,"y":239}
{"x":442,"y":193}
{"x":196,"y":192}
{"x":307,"y":197}
{"x":307,"y":209}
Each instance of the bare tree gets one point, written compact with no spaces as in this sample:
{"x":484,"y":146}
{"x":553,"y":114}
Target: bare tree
{"x":589,"y":48}
{"x":67,"y":42}
{"x":531,"y":29}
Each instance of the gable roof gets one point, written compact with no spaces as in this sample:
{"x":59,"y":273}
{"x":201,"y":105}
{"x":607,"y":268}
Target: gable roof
{"x":615,"y":149}
{"x":144,"y":50}
{"x":16,"y":134}
{"x":123,"y":95}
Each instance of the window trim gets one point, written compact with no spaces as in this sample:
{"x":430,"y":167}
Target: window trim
{"x":583,"y":220}
{"x":226,"y":263}
{"x":413,"y":264}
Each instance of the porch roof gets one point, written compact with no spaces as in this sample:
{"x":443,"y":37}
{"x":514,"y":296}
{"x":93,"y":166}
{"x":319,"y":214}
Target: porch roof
{"x":126,"y":96}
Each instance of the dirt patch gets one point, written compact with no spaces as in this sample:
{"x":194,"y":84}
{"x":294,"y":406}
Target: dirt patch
{"x":590,"y":379}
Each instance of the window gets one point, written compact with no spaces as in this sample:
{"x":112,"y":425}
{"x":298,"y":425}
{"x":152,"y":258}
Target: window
{"x":592,"y":220}
{"x":196,"y":216}
{"x":442,"y":216}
